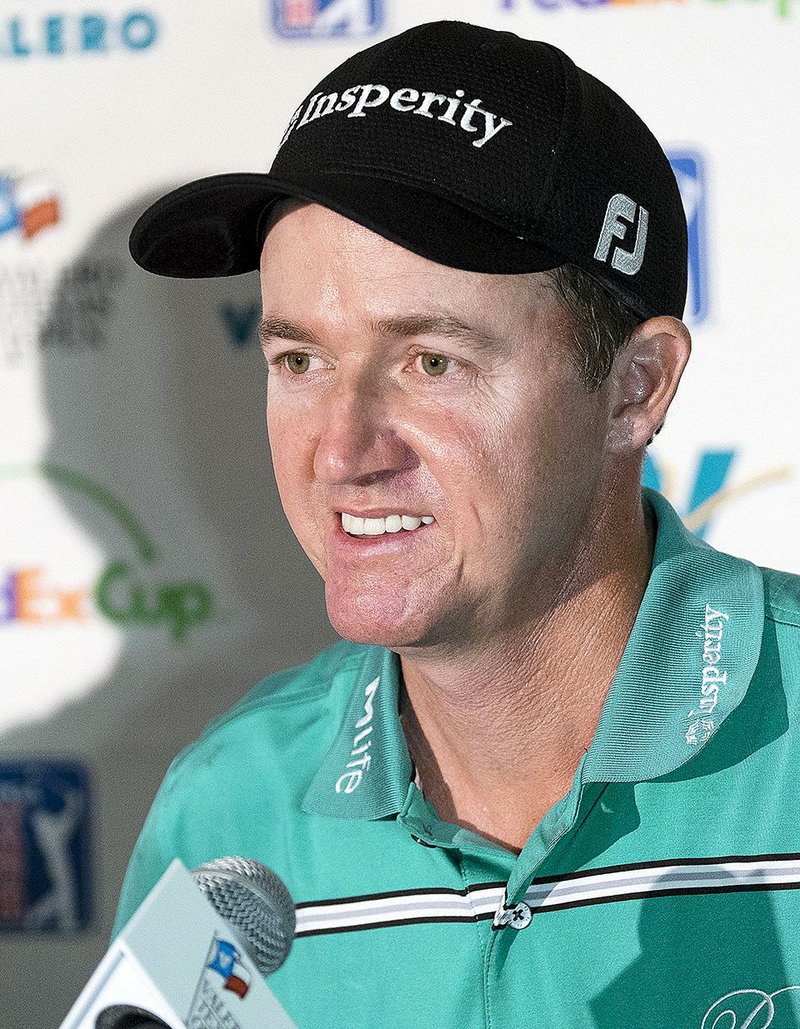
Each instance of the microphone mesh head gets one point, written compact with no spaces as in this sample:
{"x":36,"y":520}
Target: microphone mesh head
{"x":255,"y":900}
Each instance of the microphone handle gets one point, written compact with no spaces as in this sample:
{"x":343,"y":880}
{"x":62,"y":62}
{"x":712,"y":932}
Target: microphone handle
{"x":125,"y":1016}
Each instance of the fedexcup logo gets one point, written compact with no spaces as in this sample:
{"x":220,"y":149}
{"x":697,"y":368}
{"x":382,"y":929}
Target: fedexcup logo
{"x":128,"y":592}
{"x":359,"y":101}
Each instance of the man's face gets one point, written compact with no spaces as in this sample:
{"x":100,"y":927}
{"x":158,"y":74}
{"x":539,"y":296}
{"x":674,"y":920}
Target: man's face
{"x":398,"y":386}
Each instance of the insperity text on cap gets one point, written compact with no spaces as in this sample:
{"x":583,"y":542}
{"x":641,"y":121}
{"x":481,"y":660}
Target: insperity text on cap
{"x":471,"y":147}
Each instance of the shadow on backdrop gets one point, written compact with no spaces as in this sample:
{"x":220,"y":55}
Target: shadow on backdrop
{"x":155,"y":391}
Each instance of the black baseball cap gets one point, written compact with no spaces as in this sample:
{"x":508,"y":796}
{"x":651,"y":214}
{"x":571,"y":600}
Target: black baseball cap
{"x":471,"y":147}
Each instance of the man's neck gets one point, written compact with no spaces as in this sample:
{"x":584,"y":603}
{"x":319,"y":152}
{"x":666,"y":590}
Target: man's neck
{"x":496,"y":734}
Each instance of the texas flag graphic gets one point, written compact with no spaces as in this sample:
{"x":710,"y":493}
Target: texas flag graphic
{"x":28,"y":204}
{"x":225,"y":961}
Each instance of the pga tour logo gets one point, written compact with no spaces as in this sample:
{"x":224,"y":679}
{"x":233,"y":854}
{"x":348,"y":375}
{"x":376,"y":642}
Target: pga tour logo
{"x":690,"y":172}
{"x":322,"y":19}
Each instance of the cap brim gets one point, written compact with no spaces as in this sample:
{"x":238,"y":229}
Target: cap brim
{"x":205,"y":228}
{"x":214,"y":226}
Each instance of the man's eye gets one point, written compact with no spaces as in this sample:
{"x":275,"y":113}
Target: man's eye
{"x":296,"y":362}
{"x":434,"y":364}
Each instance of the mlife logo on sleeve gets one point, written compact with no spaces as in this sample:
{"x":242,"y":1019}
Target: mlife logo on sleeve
{"x":326,"y":19}
{"x":690,"y":173}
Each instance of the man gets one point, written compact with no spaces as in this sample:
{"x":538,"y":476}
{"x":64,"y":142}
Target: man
{"x":512,"y":794}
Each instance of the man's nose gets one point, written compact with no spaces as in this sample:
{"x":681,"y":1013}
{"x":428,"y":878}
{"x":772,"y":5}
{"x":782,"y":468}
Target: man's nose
{"x":358,"y":433}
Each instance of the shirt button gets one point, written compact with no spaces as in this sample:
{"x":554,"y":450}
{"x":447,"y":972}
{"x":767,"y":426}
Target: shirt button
{"x":520,"y":916}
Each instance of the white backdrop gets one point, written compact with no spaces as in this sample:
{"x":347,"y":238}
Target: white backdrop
{"x":147,"y":577}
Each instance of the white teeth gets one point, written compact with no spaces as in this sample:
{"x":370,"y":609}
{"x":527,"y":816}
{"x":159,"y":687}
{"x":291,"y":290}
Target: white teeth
{"x":378,"y":526}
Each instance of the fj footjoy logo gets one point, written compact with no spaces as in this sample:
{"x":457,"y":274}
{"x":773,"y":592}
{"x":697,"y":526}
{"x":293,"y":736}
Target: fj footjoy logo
{"x":359,"y":101}
{"x":321,"y":19}
{"x":703,"y":723}
{"x":622,"y":214}
{"x":360,"y":758}
{"x":28,"y":205}
{"x":741,"y":1008}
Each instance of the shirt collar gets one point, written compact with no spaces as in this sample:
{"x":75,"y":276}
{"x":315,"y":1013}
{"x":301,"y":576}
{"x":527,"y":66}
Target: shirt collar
{"x":367,"y":771}
{"x":690,"y":657}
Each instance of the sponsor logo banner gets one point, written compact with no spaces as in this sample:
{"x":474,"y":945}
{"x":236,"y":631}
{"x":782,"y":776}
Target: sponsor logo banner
{"x":52,"y":33}
{"x":88,"y":291}
{"x":690,"y":172}
{"x":44,"y":846}
{"x":709,"y":488}
{"x":27,"y":205}
{"x":129,"y":591}
{"x":782,"y":7}
{"x":31,"y":213}
{"x":326,"y":19}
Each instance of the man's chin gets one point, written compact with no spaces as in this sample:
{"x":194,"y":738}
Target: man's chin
{"x":376,"y":634}
{"x":366,"y":620}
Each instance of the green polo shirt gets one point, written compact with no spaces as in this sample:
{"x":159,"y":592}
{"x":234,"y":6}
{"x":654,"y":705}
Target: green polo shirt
{"x":660,"y":891}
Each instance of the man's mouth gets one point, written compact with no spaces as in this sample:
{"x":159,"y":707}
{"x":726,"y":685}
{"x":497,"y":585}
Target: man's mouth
{"x":400,"y":522}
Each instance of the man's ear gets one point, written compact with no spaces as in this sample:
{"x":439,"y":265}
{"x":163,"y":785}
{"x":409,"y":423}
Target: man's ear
{"x":644,"y":378}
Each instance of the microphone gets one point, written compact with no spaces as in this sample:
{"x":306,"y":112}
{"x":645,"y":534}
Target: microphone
{"x":255,"y":900}
{"x":123,"y":1016}
{"x":195,"y":953}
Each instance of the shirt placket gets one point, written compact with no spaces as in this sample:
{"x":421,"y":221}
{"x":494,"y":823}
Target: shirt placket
{"x":517,"y":911}
{"x":497,"y":873}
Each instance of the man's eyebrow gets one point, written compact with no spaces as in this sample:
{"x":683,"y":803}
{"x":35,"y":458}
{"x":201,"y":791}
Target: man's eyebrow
{"x":447,"y":326}
{"x":437,"y":325}
{"x":279,"y":328}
